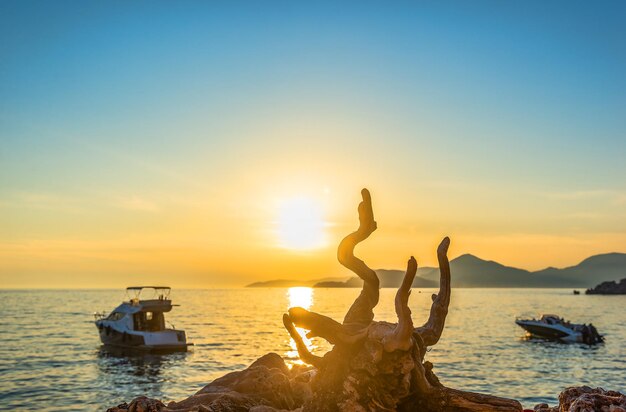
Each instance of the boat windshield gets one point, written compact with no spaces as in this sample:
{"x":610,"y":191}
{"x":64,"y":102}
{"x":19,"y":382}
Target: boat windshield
{"x":135,"y":293}
{"x":551,"y":319}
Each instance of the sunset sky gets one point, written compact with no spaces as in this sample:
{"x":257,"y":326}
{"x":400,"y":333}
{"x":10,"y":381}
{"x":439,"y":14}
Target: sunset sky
{"x":212,"y":144}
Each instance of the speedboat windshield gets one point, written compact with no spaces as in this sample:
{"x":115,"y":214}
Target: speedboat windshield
{"x":551,"y":319}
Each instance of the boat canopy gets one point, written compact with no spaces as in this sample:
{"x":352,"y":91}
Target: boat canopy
{"x":147,"y":287}
{"x":158,"y":293}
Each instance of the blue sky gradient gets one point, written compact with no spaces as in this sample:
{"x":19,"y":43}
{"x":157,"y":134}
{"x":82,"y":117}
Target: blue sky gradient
{"x":506,"y":118}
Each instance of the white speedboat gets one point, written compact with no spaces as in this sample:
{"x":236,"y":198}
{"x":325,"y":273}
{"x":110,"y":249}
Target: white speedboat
{"x":556,"y":328}
{"x":140,"y":323}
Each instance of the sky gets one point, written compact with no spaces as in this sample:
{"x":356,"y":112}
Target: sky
{"x":213,"y":144}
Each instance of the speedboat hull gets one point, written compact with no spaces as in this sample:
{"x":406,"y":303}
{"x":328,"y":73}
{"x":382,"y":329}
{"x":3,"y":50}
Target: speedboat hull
{"x":554,"y":327}
{"x":555,"y":332}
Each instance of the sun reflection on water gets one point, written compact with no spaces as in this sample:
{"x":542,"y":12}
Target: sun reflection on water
{"x":301,"y":297}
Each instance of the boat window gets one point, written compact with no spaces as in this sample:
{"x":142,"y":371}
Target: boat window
{"x":149,"y":321}
{"x":115,"y":316}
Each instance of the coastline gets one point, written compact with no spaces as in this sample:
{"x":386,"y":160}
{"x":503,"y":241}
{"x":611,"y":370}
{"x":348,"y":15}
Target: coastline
{"x":268,"y":385}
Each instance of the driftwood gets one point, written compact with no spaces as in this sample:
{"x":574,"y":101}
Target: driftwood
{"x":373,"y":366}
{"x":379,"y":366}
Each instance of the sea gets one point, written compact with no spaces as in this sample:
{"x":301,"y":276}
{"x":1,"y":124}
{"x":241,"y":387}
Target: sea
{"x":51,"y":357}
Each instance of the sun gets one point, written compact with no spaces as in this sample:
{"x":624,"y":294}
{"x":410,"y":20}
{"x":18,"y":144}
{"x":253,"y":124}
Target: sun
{"x":300,"y":224}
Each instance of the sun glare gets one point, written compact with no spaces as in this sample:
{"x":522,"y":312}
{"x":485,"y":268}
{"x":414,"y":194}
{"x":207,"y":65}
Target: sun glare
{"x":300,"y":224}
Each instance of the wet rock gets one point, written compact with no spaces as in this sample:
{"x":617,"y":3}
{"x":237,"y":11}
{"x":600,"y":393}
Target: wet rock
{"x":267,"y":385}
{"x":264,"y":408}
{"x":586,"y":399}
{"x":140,"y":404}
{"x":265,"y":382}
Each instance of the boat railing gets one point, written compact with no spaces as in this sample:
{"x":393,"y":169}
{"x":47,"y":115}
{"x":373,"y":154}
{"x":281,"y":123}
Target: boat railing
{"x":100,"y":315}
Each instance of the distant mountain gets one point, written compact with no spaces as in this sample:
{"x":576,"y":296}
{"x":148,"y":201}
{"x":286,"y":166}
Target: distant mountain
{"x":389,"y":278}
{"x":353,"y":282}
{"x":290,"y":283}
{"x":470,"y":271}
{"x":467,"y":271}
{"x":594,"y":269}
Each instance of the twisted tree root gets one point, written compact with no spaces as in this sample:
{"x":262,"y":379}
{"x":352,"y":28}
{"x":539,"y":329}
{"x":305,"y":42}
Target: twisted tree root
{"x":378,"y":366}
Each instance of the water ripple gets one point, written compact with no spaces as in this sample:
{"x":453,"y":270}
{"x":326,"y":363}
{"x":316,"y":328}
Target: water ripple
{"x":51,"y":357}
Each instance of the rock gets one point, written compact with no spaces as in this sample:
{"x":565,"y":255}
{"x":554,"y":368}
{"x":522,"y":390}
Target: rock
{"x":122,"y":407}
{"x":609,"y":288}
{"x":586,"y":399}
{"x":267,"y":385}
{"x":140,"y":404}
{"x":264,"y":408}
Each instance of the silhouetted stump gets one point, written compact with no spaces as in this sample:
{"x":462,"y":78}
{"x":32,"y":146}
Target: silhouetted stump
{"x":379,"y":366}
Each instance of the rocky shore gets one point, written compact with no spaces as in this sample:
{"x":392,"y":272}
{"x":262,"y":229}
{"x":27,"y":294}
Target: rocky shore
{"x":268,"y":385}
{"x":586,"y":399}
{"x":609,"y":288}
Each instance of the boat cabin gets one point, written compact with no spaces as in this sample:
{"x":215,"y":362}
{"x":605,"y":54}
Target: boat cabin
{"x":144,"y":315}
{"x":139,"y":322}
{"x":149,"y":321}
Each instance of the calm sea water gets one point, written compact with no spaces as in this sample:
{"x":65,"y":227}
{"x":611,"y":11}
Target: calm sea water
{"x":51,"y":357}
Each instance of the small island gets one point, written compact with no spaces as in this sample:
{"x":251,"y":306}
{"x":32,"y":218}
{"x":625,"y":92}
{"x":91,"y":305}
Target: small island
{"x":608,"y":288}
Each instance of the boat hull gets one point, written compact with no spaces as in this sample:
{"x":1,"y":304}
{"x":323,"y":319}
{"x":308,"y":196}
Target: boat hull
{"x":555,"y":332}
{"x":170,"y":341}
{"x":111,"y":336}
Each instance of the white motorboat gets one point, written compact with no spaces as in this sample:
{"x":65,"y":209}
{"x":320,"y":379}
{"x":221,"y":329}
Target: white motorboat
{"x":140,"y":324}
{"x":556,"y":328}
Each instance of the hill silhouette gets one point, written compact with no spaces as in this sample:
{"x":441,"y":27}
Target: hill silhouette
{"x":471,"y":271}
{"x":389,"y":278}
{"x":605,"y":267}
{"x":290,"y":283}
